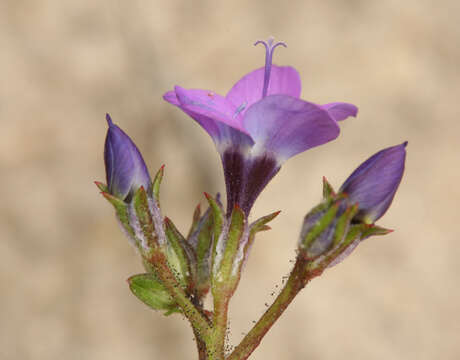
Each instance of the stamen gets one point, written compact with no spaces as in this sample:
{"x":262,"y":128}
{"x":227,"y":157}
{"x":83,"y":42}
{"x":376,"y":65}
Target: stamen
{"x":240,"y":109}
{"x":270,"y":46}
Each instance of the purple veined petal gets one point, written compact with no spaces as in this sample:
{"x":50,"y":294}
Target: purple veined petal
{"x":212,"y":112}
{"x":340,"y":111}
{"x":374,"y":183}
{"x":207,"y":123}
{"x":246,"y":176}
{"x":211,"y":105}
{"x":286,"y":126}
{"x":248,"y":90}
{"x":171,"y":97}
{"x":125,"y":168}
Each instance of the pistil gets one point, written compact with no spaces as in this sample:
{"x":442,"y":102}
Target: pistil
{"x":270,"y":46}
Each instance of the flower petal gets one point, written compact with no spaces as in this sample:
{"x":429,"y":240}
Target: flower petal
{"x":374,"y":183}
{"x":287,"y":126}
{"x":340,"y":111}
{"x":213,"y":112}
{"x":248,"y":90}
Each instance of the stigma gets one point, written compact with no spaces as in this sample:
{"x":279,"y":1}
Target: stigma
{"x":270,"y":46}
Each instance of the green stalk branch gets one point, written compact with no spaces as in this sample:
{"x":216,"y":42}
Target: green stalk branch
{"x":298,"y":278}
{"x":200,"y":324}
{"x":221,"y":300}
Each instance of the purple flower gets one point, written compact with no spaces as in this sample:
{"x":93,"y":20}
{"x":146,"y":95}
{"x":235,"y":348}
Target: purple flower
{"x":124,"y":166}
{"x":259,"y":124}
{"x":374,"y":183}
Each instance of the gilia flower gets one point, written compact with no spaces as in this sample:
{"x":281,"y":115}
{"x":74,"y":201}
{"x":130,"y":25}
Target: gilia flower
{"x":374,"y":183}
{"x":124,"y":166}
{"x":259,"y":124}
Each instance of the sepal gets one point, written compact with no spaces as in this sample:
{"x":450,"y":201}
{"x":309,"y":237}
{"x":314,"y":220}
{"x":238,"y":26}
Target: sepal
{"x":260,"y":224}
{"x":229,"y":253}
{"x":372,"y":229}
{"x":195,"y":221}
{"x":103,"y":187}
{"x":180,"y":255}
{"x":156,"y":184}
{"x":201,"y":239}
{"x":121,"y":210}
{"x":318,"y":228}
{"x":328,"y":190}
{"x":217,"y":214}
{"x":148,"y":289}
{"x":143,"y":216}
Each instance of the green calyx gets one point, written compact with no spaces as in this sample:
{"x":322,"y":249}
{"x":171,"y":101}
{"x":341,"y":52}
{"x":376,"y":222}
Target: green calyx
{"x":200,"y":238}
{"x":156,"y":184}
{"x":227,"y":248}
{"x":140,"y":204}
{"x":180,"y":256}
{"x":121,"y":209}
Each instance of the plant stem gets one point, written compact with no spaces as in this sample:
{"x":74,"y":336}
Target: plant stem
{"x":217,"y":346}
{"x":200,"y":325}
{"x":201,"y":346}
{"x":298,"y":278}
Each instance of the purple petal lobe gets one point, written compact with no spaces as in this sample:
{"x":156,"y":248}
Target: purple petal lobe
{"x":286,"y":126}
{"x":374,"y":183}
{"x":340,"y":111}
{"x":248,"y":90}
{"x":213,"y":112}
{"x":210,"y":105}
{"x":125,"y":168}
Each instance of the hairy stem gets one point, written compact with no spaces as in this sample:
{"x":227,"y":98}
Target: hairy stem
{"x":201,"y":326}
{"x":217,"y":346}
{"x":297,"y":280}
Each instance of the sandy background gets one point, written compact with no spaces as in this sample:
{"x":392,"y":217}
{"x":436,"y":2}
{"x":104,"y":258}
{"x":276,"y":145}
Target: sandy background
{"x":63,"y":260}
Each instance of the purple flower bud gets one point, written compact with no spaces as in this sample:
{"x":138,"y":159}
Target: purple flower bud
{"x":124,"y":166}
{"x":374,"y":183}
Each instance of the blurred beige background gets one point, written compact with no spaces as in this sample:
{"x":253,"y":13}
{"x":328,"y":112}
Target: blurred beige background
{"x":63,"y":260}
